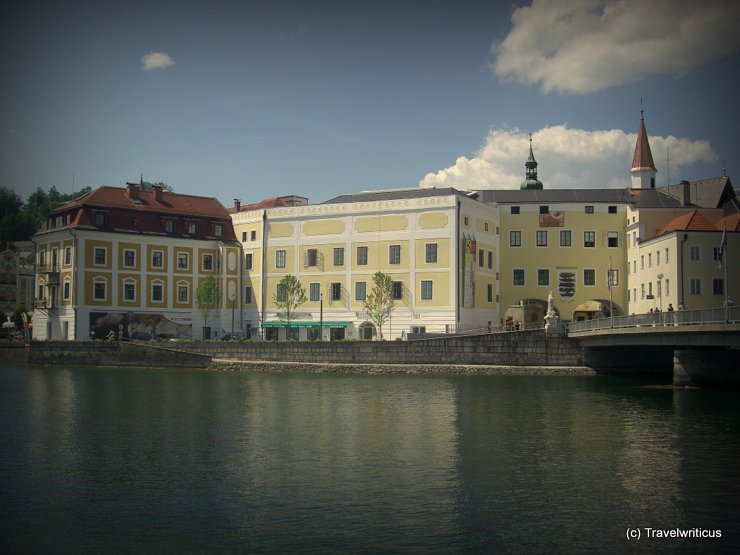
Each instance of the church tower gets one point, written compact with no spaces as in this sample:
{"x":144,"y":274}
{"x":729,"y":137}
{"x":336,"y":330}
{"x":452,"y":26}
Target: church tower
{"x":643,"y":168}
{"x":531,"y":181}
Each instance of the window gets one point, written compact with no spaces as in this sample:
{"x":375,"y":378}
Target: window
{"x":642,"y":262}
{"x":614,"y":281}
{"x":99,"y":218}
{"x":515,"y":238}
{"x":157,"y":259}
{"x":42,"y":258}
{"x":431,"y":253}
{"x":589,"y":277}
{"x":169,"y":226}
{"x":716,"y":254}
{"x":718,"y":286}
{"x":642,"y":291}
{"x":465,"y":221}
{"x":667,"y":287}
{"x":339,"y":256}
{"x":129,"y":291}
{"x":650,"y":260}
{"x":485,"y":226}
{"x":244,"y":236}
{"x":490,"y":260}
{"x":490,"y":292}
{"x":481,"y":257}
{"x":695,"y":253}
{"x":543,"y":277}
{"x":589,"y":238}
{"x":99,"y":289}
{"x":99,"y":256}
{"x":360,"y":291}
{"x":129,"y":258}
{"x":565,"y":238}
{"x":515,"y":210}
{"x":541,"y":238}
{"x":253,"y":235}
{"x":182,"y":293}
{"x":280,"y":293}
{"x":217,"y":230}
{"x":667,"y":259}
{"x":362,"y":256}
{"x":67,"y":290}
{"x":589,"y":209}
{"x":40,"y":292}
{"x":612,"y":209}
{"x":280,"y":258}
{"x":394,"y":254}
{"x":695,"y":286}
{"x":157,"y":292}
{"x":247,"y":295}
{"x":191,"y":228}
{"x":544,"y":209}
{"x":336,"y":291}
{"x":657,"y":258}
{"x":312,"y":258}
{"x":207,"y":262}
{"x":426,"y":289}
{"x":248,"y":261}
{"x":68,"y":256}
{"x":183,"y":261}
{"x":612,"y":239}
{"x":314,"y":292}
{"x":519,"y":276}
{"x":397,"y":290}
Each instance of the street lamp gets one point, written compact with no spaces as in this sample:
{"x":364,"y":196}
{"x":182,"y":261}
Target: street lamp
{"x":321,"y":316}
{"x":660,"y":295}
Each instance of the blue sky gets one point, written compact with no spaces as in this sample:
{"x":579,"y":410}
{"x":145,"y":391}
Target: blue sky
{"x":253,"y":99}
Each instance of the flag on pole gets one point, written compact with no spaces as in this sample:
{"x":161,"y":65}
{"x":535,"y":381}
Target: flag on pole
{"x":723,"y":246}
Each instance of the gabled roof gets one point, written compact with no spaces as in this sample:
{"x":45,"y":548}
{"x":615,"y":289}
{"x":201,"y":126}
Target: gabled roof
{"x":272,"y":202}
{"x":706,"y":193}
{"x":145,"y":201}
{"x":732,"y":222}
{"x":691,"y":221}
{"x":398,"y":194}
{"x":643,"y":157}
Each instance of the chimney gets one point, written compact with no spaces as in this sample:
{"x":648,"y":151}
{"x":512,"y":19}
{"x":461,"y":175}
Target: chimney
{"x":157,"y":193}
{"x":237,"y":205}
{"x":133,"y":190}
{"x":685,"y":193}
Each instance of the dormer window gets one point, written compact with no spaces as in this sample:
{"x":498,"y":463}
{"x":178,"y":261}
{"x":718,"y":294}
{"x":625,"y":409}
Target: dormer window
{"x":217,"y":230}
{"x":169,"y":226}
{"x":99,"y":218}
{"x":191,"y":228}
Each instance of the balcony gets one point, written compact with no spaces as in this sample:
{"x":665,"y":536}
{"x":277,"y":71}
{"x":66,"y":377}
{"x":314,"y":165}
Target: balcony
{"x":51,"y":271}
{"x":45,"y":303}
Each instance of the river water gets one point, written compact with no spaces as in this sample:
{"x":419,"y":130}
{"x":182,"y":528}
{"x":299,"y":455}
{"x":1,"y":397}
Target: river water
{"x":190,"y":461}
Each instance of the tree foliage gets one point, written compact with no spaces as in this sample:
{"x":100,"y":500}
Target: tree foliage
{"x":379,"y":303}
{"x":207,"y":296}
{"x":290,"y":296}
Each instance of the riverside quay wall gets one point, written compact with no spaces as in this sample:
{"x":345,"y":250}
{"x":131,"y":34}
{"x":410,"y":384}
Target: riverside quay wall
{"x":516,"y":349}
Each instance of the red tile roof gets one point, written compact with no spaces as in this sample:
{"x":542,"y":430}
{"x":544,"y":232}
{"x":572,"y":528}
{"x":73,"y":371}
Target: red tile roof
{"x":732,"y":222}
{"x":691,"y":221}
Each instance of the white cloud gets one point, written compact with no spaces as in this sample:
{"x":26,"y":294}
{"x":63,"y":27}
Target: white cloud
{"x":582,"y":46}
{"x":156,"y":60}
{"x":567,"y":159}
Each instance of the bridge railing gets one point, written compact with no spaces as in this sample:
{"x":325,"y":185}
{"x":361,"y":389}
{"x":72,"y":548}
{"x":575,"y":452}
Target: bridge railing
{"x":676,"y":318}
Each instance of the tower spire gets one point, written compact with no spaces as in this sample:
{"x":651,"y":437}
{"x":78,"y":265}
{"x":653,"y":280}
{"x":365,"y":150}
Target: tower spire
{"x":530,"y":177}
{"x":643,"y":168}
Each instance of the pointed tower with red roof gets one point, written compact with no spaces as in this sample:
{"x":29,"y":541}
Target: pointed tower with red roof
{"x":643,"y":168}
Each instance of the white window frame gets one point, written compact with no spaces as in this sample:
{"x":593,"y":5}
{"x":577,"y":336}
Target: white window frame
{"x":338,"y":256}
{"x":280,"y":258}
{"x":180,"y":286}
{"x":127,"y":282}
{"x":360,"y":291}
{"x":183,"y":256}
{"x":161,"y":257}
{"x":209,"y":267}
{"x":97,"y":250}
{"x":157,"y":283}
{"x":132,"y":253}
{"x":362,"y":255}
{"x":314,"y":292}
{"x":394,"y":254}
{"x":430,"y":253}
{"x":427,"y":290}
{"x":98,"y":280}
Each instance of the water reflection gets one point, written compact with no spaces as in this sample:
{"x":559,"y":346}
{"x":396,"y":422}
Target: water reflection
{"x":190,"y":461}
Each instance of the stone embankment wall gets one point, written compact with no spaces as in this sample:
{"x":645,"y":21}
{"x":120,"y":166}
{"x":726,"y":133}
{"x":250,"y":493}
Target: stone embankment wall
{"x":513,"y":350}
{"x":532,"y":348}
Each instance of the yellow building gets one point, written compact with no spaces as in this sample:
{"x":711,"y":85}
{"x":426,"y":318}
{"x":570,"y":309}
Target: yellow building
{"x":440,"y":248}
{"x":128,"y":261}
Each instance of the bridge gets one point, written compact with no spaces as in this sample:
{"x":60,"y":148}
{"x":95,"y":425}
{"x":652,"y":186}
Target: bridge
{"x":697,"y":346}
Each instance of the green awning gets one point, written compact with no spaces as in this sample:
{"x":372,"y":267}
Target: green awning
{"x":311,"y":324}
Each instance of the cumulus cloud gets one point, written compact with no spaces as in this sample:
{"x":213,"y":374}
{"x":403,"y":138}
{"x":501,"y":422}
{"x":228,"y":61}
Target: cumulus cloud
{"x":156,"y":60}
{"x":567,"y":159}
{"x":583,"y":46}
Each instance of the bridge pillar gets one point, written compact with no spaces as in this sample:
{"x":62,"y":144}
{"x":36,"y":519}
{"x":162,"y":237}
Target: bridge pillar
{"x":638,"y":361}
{"x":706,"y":367}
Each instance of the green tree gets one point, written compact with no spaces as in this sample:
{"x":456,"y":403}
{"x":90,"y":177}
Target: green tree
{"x":379,"y":303}
{"x":289,"y":297}
{"x":207,"y":296}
